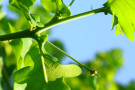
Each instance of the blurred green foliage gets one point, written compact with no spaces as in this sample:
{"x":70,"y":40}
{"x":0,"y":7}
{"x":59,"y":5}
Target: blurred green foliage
{"x":107,"y":63}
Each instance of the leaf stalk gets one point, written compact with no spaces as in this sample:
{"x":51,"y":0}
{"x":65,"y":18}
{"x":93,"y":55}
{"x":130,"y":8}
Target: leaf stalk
{"x":41,"y":49}
{"x":91,"y":71}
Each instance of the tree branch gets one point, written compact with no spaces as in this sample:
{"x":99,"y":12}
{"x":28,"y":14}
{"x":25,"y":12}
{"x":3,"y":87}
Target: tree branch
{"x":16,"y":35}
{"x":27,"y":33}
{"x":70,"y":19}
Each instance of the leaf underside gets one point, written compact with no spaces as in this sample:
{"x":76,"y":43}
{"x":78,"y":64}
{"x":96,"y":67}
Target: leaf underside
{"x":32,"y":73}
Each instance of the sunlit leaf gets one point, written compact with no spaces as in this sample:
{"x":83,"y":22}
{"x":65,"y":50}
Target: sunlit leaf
{"x":22,"y":4}
{"x":2,"y":14}
{"x":19,"y":63}
{"x":35,"y":21}
{"x":118,"y":30}
{"x":124,"y":9}
{"x":26,"y":45}
{"x":12,"y":29}
{"x":56,"y":7}
{"x":17,"y":46}
{"x":114,"y":21}
{"x":19,"y":86}
{"x":36,"y":17}
{"x":49,"y":5}
{"x":20,"y":48}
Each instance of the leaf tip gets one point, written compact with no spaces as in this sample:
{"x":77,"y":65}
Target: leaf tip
{"x":131,"y":39}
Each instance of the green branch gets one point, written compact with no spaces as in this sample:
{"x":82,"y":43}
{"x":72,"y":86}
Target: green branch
{"x":70,"y":19}
{"x":21,"y":34}
{"x":28,"y":33}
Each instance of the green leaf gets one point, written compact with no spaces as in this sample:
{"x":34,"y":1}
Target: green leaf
{"x":63,"y":10}
{"x":27,"y":42}
{"x":33,"y":72}
{"x":35,"y":17}
{"x":59,"y":84}
{"x":93,"y":82}
{"x":12,"y":29}
{"x":2,"y":15}
{"x":45,"y":16}
{"x":20,"y":63}
{"x":22,"y":5}
{"x":124,"y":9}
{"x":19,"y":86}
{"x":17,"y":46}
{"x":56,"y":70}
{"x":26,"y":46}
{"x":35,"y":21}
{"x":1,"y":65}
{"x":56,"y":7}
{"x":114,"y":21}
{"x":49,"y":5}
{"x":118,"y":30}
{"x":20,"y":48}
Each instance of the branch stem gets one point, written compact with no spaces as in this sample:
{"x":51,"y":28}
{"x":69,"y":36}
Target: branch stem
{"x":70,"y":19}
{"x":21,"y":34}
{"x":69,"y":56}
{"x":27,"y":33}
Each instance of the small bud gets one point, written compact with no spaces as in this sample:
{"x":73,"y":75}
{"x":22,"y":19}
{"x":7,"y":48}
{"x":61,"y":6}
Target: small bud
{"x":93,"y":73}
